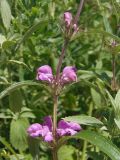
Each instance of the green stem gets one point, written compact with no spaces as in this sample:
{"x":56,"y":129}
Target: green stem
{"x":113,"y":72}
{"x":85,"y":142}
{"x":54,"y":153}
{"x":55,"y":116}
{"x":84,"y":150}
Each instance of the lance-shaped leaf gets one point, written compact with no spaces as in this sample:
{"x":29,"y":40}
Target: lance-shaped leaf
{"x":15,"y":86}
{"x":98,"y":140}
{"x":5,"y":13}
{"x":86,"y":120}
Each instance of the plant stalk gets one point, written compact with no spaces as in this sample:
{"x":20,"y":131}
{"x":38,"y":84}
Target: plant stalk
{"x":113,"y":72}
{"x":55,"y":116}
{"x":85,"y":142}
{"x":78,"y":11}
{"x":56,"y":87}
{"x":61,"y":59}
{"x":54,"y":153}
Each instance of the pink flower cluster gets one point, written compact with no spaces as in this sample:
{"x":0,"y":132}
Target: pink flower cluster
{"x":44,"y":73}
{"x":45,"y":130}
{"x":68,"y":19}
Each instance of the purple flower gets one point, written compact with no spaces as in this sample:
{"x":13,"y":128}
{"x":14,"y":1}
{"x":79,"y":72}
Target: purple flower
{"x":48,"y":122}
{"x":68,"y":75}
{"x":48,"y":137}
{"x":35,"y":130}
{"x":45,"y":130}
{"x":67,"y":128}
{"x":67,"y":18}
{"x":44,"y":73}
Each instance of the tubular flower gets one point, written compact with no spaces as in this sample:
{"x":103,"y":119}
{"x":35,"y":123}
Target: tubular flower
{"x":45,"y":130}
{"x":68,"y":75}
{"x":35,"y":130}
{"x":67,"y":18}
{"x":44,"y":73}
{"x":67,"y":128}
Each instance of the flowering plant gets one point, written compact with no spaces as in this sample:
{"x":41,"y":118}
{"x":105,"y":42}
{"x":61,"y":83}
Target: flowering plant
{"x":49,"y":130}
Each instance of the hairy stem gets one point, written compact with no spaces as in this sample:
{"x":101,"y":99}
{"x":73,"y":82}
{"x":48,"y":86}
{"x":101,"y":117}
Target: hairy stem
{"x":85,"y":142}
{"x":54,"y":153}
{"x":78,"y":11}
{"x":66,"y":41}
{"x":55,"y":116}
{"x":61,"y":59}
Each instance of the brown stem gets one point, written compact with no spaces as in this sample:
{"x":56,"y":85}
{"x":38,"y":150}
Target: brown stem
{"x":61,"y":59}
{"x":55,"y":116}
{"x":79,"y":11}
{"x":54,"y":153}
{"x":66,"y":41}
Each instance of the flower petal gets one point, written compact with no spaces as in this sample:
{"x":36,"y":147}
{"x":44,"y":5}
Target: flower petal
{"x":48,"y":122}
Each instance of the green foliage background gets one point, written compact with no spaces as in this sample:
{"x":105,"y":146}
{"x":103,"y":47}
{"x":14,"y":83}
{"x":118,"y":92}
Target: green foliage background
{"x":31,"y":36}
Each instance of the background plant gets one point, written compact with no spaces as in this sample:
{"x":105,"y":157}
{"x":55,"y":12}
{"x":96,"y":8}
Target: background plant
{"x":32,"y":37}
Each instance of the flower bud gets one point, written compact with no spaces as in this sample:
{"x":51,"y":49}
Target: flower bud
{"x":68,"y":75}
{"x":44,"y":73}
{"x":67,"y":18}
{"x":75,"y":27}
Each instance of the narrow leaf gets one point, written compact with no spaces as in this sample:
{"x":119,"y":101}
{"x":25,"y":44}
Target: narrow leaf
{"x":15,"y":86}
{"x":117,"y":102}
{"x":5,"y":13}
{"x":101,"y":142}
{"x":19,"y":63}
{"x":30,"y":31}
{"x":86,"y":120}
{"x":111,"y":100}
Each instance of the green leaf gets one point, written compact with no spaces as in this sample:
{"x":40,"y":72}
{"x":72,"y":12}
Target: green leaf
{"x":15,"y":101}
{"x":97,"y":99}
{"x":2,"y":39}
{"x":66,"y":152}
{"x":86,"y":120}
{"x":21,"y":157}
{"x":99,"y":32}
{"x":5,"y":13}
{"x":117,"y":121}
{"x":34,"y":147}
{"x":18,"y":133}
{"x":30,"y":31}
{"x":101,"y":142}
{"x":27,"y":115}
{"x":8,"y":146}
{"x":19,"y":63}
{"x":111,"y":100}
{"x":107,"y":24}
{"x":4,"y":116}
{"x":15,"y":86}
{"x":7,"y":44}
{"x":117,"y":105}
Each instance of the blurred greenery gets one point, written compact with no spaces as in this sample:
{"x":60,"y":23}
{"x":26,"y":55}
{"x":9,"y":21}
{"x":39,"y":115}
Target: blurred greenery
{"x":31,"y":36}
